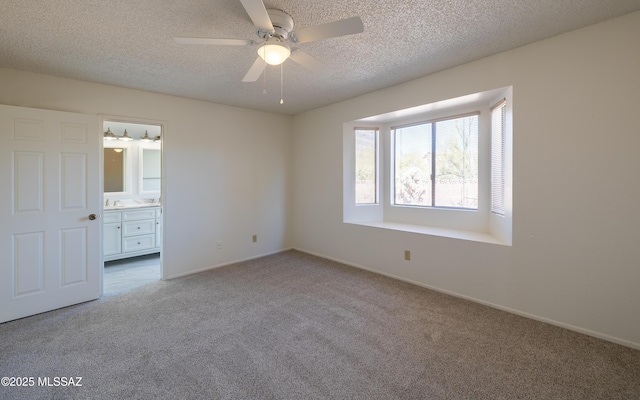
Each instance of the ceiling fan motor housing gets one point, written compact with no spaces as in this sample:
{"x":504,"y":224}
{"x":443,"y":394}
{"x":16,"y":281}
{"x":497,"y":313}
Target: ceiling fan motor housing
{"x":282,"y":24}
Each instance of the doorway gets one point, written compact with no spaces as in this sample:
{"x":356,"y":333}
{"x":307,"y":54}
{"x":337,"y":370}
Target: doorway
{"x":133,"y":213}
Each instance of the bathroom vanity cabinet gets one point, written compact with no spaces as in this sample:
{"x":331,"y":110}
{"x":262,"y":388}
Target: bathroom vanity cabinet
{"x":131,"y":232}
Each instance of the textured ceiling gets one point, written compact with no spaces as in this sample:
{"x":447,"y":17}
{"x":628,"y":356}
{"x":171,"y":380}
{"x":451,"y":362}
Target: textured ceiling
{"x":130,"y":43}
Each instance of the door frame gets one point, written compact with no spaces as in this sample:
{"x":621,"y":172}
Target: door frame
{"x":163,"y":133}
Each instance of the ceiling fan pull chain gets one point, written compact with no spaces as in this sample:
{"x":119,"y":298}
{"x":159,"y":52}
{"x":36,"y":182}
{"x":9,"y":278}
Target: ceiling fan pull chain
{"x":281,"y":90}
{"x":264,"y":80}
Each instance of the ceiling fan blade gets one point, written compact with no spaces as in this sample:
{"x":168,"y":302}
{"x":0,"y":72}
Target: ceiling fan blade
{"x":310,"y":63}
{"x":342,"y":27}
{"x":221,"y":42}
{"x":254,"y":72}
{"x":258,"y":14}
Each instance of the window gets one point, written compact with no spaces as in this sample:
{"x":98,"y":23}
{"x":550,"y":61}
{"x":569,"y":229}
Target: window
{"x":436,"y":163}
{"x":442,"y":168}
{"x":498,"y":161}
{"x":366,"y":179}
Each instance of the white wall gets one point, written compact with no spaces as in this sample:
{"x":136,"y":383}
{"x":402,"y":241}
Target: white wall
{"x":575,"y":259}
{"x":227,"y":168}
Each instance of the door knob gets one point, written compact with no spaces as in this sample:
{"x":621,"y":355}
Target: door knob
{"x":92,"y":217}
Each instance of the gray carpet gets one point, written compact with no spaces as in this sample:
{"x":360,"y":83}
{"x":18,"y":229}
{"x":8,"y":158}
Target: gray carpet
{"x":295,"y":326}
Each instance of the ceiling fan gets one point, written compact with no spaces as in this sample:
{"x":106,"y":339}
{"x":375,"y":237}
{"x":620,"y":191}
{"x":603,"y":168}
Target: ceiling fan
{"x":276,"y":38}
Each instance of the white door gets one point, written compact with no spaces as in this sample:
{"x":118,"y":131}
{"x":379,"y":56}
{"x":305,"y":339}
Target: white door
{"x":49,"y":241}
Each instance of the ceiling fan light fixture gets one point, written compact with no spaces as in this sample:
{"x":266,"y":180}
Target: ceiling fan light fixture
{"x":274,"y":53}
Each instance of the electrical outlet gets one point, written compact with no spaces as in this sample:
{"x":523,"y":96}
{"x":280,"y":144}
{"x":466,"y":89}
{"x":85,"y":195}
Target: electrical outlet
{"x":254,"y":238}
{"x":219,"y":244}
{"x":407,"y":255}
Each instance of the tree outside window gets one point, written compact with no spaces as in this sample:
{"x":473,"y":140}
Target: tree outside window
{"x":436,"y":163}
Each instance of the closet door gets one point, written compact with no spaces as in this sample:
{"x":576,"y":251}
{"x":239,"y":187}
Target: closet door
{"x":49,"y":210}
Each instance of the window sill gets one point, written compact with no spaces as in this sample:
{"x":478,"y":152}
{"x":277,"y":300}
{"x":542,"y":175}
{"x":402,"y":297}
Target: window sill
{"x":433,"y":231}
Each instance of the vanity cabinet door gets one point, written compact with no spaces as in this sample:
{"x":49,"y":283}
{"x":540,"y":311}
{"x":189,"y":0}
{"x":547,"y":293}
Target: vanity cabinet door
{"x":158,"y":227}
{"x":158,"y":232}
{"x":112,"y":239}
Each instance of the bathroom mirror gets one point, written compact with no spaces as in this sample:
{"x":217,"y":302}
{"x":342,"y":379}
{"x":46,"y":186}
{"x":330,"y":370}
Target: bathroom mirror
{"x":114,"y":170}
{"x":132,"y":167}
{"x":150,"y":170}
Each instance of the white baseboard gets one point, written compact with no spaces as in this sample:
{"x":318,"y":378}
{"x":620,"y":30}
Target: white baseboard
{"x":227,"y":263}
{"x":574,"y":328}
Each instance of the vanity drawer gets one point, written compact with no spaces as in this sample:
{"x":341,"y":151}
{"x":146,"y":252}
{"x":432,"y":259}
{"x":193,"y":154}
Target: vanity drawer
{"x":138,"y":214}
{"x":136,"y":243}
{"x":142,"y":227}
{"x":113,"y":216}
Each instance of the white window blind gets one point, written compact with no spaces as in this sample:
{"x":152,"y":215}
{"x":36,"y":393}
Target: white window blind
{"x":498,"y":166}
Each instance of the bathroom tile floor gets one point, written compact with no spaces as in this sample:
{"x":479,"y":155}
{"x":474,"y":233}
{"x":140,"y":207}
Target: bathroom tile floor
{"x":129,"y":273}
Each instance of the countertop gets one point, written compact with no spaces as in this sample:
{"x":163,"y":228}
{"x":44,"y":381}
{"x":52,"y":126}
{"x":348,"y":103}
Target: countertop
{"x":131,"y":206}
